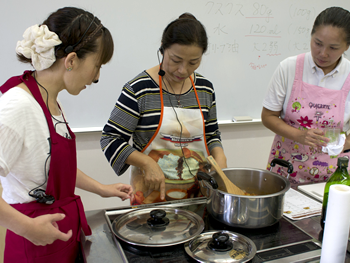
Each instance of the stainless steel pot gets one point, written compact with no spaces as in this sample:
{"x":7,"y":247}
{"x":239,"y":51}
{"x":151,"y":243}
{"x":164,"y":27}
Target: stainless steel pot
{"x":263,"y":209}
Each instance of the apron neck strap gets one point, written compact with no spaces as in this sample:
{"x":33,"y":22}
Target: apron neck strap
{"x":32,"y":85}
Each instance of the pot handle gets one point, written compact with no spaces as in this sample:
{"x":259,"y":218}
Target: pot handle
{"x":282,"y":163}
{"x":208,"y":178}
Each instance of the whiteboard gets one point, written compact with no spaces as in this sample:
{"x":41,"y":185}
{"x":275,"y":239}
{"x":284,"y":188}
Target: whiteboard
{"x":247,"y":40}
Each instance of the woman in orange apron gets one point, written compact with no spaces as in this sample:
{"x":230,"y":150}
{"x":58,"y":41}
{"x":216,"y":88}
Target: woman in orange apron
{"x":311,"y":93}
{"x":170,"y":112}
{"x":45,"y":218}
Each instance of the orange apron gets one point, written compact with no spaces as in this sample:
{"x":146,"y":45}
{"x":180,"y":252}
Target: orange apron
{"x":179,"y":147}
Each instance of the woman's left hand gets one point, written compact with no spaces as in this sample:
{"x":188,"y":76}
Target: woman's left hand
{"x":123,"y":191}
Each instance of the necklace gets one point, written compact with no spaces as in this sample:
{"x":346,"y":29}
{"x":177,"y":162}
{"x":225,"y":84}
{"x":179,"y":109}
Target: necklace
{"x":177,"y":96}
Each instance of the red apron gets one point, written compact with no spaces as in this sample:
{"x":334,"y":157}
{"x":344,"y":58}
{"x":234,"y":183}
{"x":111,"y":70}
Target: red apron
{"x":61,"y":185}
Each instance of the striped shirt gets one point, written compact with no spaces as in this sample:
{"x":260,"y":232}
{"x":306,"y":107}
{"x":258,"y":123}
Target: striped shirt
{"x":137,"y":114}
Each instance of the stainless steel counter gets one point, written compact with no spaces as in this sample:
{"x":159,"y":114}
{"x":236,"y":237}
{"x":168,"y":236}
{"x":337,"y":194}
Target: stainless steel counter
{"x":100,"y":246}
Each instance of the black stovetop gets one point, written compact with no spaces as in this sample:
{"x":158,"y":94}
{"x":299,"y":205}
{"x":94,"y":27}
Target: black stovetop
{"x":280,"y":234}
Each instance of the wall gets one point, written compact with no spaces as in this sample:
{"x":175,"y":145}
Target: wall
{"x":247,"y":40}
{"x":246,"y":145}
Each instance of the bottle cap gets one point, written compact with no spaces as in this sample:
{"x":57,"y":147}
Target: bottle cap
{"x":343,"y":162}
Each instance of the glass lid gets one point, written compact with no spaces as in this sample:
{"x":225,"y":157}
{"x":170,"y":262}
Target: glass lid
{"x":221,"y":246}
{"x":157,"y":227}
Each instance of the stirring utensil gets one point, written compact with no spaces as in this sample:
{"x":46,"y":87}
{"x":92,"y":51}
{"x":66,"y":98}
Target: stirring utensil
{"x":231,"y":188}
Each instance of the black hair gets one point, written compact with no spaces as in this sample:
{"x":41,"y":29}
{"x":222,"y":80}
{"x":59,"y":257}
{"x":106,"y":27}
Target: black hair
{"x":70,"y":24}
{"x":186,"y":30}
{"x":336,"y":17}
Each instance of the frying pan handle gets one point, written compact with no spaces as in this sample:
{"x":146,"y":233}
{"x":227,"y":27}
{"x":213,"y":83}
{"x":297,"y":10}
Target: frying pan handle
{"x":208,"y":178}
{"x":282,"y":163}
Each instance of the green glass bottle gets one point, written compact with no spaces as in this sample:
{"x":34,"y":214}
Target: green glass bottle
{"x":340,"y":176}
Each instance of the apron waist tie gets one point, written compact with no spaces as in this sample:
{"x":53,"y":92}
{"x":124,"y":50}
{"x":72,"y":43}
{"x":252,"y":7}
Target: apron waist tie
{"x":83,"y":222}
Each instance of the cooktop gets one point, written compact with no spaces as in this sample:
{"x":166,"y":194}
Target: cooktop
{"x":281,"y":242}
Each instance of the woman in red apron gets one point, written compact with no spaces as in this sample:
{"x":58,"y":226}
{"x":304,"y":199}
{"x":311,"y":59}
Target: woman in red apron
{"x":310,"y":92}
{"x":45,"y":217}
{"x":170,"y":112}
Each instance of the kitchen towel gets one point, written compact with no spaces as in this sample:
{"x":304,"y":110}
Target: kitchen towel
{"x":336,"y":230}
{"x":332,"y":149}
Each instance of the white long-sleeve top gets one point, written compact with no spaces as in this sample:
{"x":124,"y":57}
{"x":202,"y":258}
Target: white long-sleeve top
{"x":24,"y":145}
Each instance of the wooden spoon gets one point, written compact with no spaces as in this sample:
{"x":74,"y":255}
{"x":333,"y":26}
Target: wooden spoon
{"x":231,"y":188}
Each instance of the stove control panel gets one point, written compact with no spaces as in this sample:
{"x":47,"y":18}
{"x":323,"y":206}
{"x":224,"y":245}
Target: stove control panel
{"x":304,"y":252}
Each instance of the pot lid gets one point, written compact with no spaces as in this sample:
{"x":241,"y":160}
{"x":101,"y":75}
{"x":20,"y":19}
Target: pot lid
{"x":157,"y":227}
{"x":221,"y":246}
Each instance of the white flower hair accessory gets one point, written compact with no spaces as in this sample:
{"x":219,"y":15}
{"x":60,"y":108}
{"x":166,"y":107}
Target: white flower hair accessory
{"x":38,"y":45}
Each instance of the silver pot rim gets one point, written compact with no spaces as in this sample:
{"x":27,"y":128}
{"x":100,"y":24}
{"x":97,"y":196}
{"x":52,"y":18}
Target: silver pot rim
{"x":283,"y":191}
{"x":247,"y":211}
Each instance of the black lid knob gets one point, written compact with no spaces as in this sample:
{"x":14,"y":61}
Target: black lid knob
{"x":220,"y":242}
{"x":157,"y":218}
{"x":157,"y":214}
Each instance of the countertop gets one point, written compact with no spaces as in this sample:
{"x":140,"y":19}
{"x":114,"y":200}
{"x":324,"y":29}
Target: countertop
{"x":100,"y":246}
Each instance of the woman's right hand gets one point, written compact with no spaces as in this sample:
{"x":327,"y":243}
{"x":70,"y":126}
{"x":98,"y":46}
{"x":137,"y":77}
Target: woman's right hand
{"x":153,"y":177}
{"x":43,"y":230}
{"x":313,"y":137}
{"x":310,"y":137}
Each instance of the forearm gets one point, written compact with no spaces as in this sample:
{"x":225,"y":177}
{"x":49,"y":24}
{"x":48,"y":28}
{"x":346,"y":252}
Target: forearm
{"x":272,"y":121}
{"x":12,"y":219}
{"x":86,"y":183}
{"x":139,"y":159}
{"x":219,"y":156}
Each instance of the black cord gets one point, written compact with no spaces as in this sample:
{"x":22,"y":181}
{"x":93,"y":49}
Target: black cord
{"x":177,"y":118}
{"x":49,"y":153}
{"x":47,"y":104}
{"x":46,"y":175}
